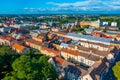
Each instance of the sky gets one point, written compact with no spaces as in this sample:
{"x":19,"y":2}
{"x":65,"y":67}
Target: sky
{"x":59,"y":6}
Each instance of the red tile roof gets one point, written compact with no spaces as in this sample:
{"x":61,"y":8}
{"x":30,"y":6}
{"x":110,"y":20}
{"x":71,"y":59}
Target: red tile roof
{"x":106,"y":36}
{"x":50,"y":50}
{"x":118,"y":35}
{"x":62,"y":62}
{"x":40,"y":37}
{"x":62,"y":33}
{"x":34,"y":42}
{"x":9,"y":38}
{"x":22,"y":37}
{"x":73,"y":52}
{"x":18,"y":47}
{"x":59,"y":60}
{"x":97,"y":33}
{"x":66,"y":39}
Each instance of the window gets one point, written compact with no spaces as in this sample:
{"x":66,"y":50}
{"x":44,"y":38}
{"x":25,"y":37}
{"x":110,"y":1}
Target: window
{"x":82,"y":60}
{"x":86,"y":78}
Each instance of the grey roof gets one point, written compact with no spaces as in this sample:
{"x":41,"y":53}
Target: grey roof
{"x":35,"y":34}
{"x":89,"y":30}
{"x":63,"y":45}
{"x":88,"y":38}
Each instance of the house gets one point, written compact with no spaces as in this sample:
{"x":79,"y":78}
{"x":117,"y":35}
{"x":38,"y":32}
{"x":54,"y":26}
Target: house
{"x":89,"y":38}
{"x":43,"y":26}
{"x":110,"y":54}
{"x":55,"y":29}
{"x":69,"y":71}
{"x":38,"y":38}
{"x":95,"y":45}
{"x":113,"y":28}
{"x":20,"y":48}
{"x":0,"y":24}
{"x":106,"y":36}
{"x":97,"y":71}
{"x":50,"y":36}
{"x":17,"y":30}
{"x":34,"y":33}
{"x":22,"y":26}
{"x":61,"y":33}
{"x":58,"y":64}
{"x":89,"y":31}
{"x":5,"y":29}
{"x":87,"y":59}
{"x":65,"y":70}
{"x":118,"y":37}
{"x":66,"y":40}
{"x":95,"y":24}
{"x":79,"y":57}
{"x":105,"y":23}
{"x":85,"y":23}
{"x":63,"y":45}
{"x":114,"y":24}
{"x":103,"y":27}
{"x":49,"y":52}
{"x":7,"y":40}
{"x":33,"y":44}
{"x":69,"y":55}
{"x":56,"y":46}
{"x":18,"y":36}
{"x":97,"y":34}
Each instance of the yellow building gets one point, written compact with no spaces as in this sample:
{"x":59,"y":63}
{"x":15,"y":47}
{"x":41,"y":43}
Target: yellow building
{"x":38,"y":38}
{"x":95,"y":24}
{"x":70,"y":55}
{"x":33,"y":44}
{"x":20,"y":48}
{"x":49,"y":52}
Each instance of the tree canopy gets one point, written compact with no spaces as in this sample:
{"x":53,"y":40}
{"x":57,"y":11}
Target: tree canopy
{"x":116,"y":70}
{"x":30,"y":66}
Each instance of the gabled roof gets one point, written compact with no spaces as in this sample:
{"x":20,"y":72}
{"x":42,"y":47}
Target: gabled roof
{"x":88,"y":38}
{"x":64,"y":45}
{"x":77,"y":53}
{"x":62,"y":33}
{"x":18,"y":47}
{"x":59,"y":60}
{"x":62,"y":62}
{"x":9,"y":38}
{"x":65,"y":39}
{"x":72,"y":52}
{"x":34,"y":42}
{"x":93,"y":51}
{"x":98,"y":68}
{"x":65,"y":64}
{"x":40,"y":37}
{"x":50,"y":50}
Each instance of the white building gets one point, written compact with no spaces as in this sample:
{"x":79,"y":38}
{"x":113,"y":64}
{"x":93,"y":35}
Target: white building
{"x":4,"y":29}
{"x":114,"y":24}
{"x":105,"y":24}
{"x":89,"y":38}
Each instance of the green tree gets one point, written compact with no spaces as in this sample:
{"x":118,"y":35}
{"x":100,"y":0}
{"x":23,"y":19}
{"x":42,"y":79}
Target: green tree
{"x":116,"y":70}
{"x":7,"y":56}
{"x":31,"y":66}
{"x":10,"y":78}
{"x":28,"y":67}
{"x":47,"y":69}
{"x":24,"y":67}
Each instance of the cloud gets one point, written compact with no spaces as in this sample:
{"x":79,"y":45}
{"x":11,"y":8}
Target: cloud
{"x":75,"y":4}
{"x":90,"y":4}
{"x":80,"y":6}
